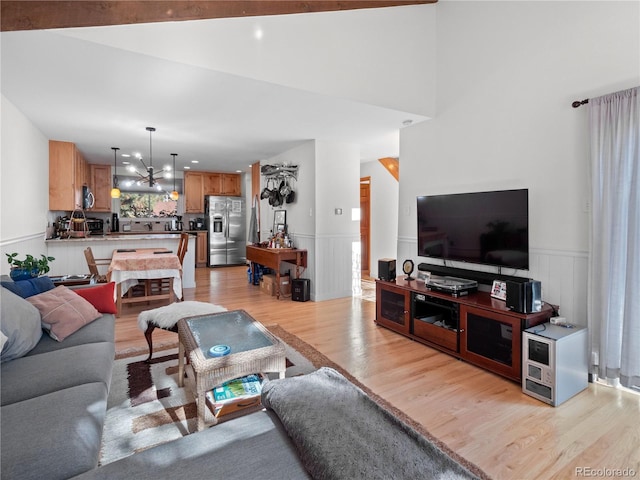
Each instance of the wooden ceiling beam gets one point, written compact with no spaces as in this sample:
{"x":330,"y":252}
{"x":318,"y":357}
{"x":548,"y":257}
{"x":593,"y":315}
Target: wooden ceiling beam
{"x":38,"y":15}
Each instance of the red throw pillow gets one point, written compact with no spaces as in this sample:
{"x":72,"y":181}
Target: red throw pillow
{"x":101,"y":297}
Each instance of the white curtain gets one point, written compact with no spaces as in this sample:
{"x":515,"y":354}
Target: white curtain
{"x":614,"y":273}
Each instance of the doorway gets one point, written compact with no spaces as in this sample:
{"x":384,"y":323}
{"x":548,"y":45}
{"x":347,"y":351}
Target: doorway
{"x":365,"y":226}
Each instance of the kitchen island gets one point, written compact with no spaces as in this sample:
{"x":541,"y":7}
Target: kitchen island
{"x":69,"y":252}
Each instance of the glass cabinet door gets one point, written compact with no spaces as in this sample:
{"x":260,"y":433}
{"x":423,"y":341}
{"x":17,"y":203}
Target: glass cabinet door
{"x":392,"y":309}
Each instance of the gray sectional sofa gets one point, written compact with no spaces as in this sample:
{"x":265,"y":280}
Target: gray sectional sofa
{"x":53,"y":398}
{"x":53,"y":406}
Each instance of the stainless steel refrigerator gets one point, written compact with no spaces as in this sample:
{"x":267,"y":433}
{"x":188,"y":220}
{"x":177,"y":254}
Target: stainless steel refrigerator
{"x":226,"y":226}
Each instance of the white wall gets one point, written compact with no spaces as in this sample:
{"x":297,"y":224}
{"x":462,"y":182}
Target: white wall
{"x":384,"y":190}
{"x":507,"y":73}
{"x":24,"y":178}
{"x":328,"y":178}
{"x":337,"y":186}
{"x":298,"y":219}
{"x":382,"y":56}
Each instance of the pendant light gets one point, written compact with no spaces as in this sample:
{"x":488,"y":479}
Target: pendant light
{"x":115,"y":191}
{"x":174,"y":195}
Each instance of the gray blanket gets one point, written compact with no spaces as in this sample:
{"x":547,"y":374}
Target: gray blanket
{"x":341,"y":433}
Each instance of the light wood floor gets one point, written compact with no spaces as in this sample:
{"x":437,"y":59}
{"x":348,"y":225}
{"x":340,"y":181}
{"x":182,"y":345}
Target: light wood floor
{"x":482,"y":416}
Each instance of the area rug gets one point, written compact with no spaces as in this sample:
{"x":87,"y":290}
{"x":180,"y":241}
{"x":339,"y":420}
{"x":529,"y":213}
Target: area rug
{"x":147,"y":408}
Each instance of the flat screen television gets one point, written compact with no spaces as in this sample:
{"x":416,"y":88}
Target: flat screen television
{"x":489,"y":228}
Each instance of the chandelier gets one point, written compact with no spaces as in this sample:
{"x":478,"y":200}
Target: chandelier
{"x":150,"y":176}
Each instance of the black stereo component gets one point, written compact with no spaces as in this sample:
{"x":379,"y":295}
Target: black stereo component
{"x":524,"y":297}
{"x":387,"y":269}
{"x":300,"y":289}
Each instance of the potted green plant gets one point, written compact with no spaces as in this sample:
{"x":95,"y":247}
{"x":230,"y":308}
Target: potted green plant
{"x":29,"y":267}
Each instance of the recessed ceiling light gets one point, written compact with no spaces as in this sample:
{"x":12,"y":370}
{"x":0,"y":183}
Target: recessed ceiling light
{"x":187,"y":167}
{"x":238,"y":171}
{"x":195,"y":161}
{"x":126,"y":163}
{"x":258,"y":33}
{"x":125,"y":155}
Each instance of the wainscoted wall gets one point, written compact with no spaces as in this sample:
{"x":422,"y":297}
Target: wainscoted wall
{"x":334,"y":277}
{"x":330,"y":279}
{"x":305,"y":242}
{"x":563,"y":276}
{"x":27,"y":244}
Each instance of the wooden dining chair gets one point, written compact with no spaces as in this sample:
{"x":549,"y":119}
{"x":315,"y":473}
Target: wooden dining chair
{"x":93,"y":263}
{"x":182,"y":246}
{"x":157,"y":286}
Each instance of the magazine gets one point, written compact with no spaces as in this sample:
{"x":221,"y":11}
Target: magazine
{"x":238,"y":388}
{"x":237,"y":394}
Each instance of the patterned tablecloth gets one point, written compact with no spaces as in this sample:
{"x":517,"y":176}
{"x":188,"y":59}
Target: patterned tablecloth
{"x":127,"y":267}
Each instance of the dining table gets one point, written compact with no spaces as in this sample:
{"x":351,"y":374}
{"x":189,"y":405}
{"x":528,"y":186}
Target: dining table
{"x":129,"y":267}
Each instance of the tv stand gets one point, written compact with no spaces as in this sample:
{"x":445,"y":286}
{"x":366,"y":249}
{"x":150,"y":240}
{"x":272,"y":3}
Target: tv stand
{"x":476,"y":328}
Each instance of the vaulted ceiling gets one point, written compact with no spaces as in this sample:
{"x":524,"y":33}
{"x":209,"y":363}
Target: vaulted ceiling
{"x":100,"y":88}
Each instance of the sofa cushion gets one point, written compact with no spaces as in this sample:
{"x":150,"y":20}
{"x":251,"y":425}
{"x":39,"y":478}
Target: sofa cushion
{"x":35,"y":375}
{"x":100,"y":330}
{"x":252,"y":446}
{"x":101,"y":297}
{"x":55,"y":436}
{"x":30,"y":287}
{"x":63,"y":311}
{"x":20,"y":324}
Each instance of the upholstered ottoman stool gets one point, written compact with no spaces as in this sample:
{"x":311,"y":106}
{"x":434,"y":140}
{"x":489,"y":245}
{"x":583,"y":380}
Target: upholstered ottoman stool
{"x":167,"y":317}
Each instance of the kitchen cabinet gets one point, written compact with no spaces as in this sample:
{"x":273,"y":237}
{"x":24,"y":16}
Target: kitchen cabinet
{"x":228,"y":184}
{"x":201,"y":249}
{"x":199,"y":184}
{"x":213,"y":184}
{"x":231,"y":184}
{"x":194,"y":192}
{"x":100,"y":183}
{"x":66,"y":163}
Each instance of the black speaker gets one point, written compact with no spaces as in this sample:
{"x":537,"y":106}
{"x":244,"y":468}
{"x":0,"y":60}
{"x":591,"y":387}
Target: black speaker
{"x":387,"y":269}
{"x":300,"y":289}
{"x":524,"y":297}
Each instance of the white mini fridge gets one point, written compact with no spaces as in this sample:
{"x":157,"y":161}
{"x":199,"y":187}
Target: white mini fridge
{"x":554,"y":362}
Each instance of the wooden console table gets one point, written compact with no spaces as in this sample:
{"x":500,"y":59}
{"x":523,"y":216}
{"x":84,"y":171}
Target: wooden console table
{"x":273,"y":257}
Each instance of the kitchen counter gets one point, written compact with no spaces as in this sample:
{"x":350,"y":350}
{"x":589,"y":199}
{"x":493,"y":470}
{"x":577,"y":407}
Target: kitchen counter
{"x":117,"y":237}
{"x":129,"y":235}
{"x":70,"y":260}
{"x":157,"y":232}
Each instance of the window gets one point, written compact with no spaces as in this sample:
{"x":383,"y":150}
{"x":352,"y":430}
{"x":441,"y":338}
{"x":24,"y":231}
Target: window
{"x":147,"y":205}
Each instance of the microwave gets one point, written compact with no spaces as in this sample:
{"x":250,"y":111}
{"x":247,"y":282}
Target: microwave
{"x":554,"y":362}
{"x":95,"y":226}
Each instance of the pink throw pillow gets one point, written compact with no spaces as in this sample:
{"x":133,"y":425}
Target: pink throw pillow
{"x":63,"y":312}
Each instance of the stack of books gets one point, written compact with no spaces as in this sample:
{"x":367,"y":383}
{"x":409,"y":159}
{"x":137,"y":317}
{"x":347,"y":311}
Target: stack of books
{"x":235,"y":395}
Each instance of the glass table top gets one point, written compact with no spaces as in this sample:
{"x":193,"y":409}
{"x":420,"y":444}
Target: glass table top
{"x":236,"y":329}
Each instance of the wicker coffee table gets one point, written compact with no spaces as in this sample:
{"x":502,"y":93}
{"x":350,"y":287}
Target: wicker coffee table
{"x":253,"y":349}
